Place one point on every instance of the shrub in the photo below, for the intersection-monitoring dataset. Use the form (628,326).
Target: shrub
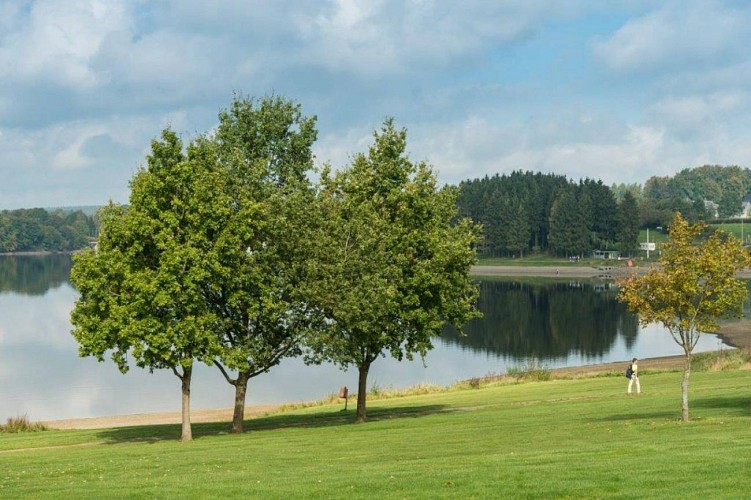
(488,379)
(22,424)
(531,370)
(724,359)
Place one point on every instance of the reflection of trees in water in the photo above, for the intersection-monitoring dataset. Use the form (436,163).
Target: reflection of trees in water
(33,274)
(549,320)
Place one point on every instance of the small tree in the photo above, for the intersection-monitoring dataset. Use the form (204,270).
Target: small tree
(391,268)
(693,287)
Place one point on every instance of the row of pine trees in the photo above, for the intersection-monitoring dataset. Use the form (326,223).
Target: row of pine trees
(526,211)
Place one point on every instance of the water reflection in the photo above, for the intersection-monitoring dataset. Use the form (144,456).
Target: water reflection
(547,320)
(33,274)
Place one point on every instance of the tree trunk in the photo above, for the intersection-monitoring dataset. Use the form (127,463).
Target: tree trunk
(362,392)
(684,387)
(187,434)
(241,388)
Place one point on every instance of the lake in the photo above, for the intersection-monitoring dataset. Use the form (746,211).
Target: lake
(560,323)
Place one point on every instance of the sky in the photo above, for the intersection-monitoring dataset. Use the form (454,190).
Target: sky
(612,90)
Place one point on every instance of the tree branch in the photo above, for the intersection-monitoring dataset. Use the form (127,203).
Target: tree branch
(224,372)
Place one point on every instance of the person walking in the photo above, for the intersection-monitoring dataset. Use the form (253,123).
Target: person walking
(634,376)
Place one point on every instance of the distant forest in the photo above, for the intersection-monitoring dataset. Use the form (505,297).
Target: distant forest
(526,211)
(520,212)
(37,229)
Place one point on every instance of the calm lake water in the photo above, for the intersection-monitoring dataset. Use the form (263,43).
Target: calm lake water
(561,323)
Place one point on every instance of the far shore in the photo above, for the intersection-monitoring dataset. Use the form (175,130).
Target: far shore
(605,270)
(39,253)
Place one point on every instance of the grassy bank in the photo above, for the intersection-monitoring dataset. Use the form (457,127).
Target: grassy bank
(544,260)
(571,438)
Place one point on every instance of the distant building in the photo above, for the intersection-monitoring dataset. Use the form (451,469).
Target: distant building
(746,207)
(606,254)
(712,208)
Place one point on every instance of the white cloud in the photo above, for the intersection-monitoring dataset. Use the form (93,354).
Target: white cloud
(86,84)
(56,40)
(678,35)
(700,117)
(475,147)
(80,162)
(384,37)
(338,148)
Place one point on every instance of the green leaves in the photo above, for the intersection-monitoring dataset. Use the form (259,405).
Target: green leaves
(227,255)
(142,290)
(391,267)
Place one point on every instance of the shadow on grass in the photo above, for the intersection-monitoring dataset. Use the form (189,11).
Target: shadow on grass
(737,405)
(725,406)
(323,418)
(638,415)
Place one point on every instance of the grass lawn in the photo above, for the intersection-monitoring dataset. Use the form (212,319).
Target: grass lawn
(537,259)
(581,438)
(739,230)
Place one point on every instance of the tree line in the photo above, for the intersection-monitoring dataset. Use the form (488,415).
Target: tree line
(228,254)
(525,211)
(38,229)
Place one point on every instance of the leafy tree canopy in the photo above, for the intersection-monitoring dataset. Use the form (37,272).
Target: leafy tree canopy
(693,287)
(392,266)
(143,290)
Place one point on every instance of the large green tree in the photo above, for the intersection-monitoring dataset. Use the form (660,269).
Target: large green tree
(238,204)
(142,292)
(693,287)
(391,266)
(258,289)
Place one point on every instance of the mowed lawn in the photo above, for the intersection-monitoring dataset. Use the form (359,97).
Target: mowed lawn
(561,438)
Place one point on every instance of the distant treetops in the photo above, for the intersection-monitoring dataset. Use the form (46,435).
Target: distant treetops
(525,211)
(37,229)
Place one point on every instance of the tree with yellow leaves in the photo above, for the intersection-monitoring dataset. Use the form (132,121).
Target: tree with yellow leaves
(693,287)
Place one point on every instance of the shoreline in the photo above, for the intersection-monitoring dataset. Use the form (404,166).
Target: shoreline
(737,334)
(605,271)
(39,253)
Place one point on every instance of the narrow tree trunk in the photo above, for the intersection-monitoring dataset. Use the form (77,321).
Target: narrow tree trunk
(362,392)
(187,434)
(684,387)
(241,388)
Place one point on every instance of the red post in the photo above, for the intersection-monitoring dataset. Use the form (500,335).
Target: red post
(343,393)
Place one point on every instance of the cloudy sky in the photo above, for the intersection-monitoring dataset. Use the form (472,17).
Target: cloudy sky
(615,90)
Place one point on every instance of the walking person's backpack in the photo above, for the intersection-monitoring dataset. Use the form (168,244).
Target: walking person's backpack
(629,371)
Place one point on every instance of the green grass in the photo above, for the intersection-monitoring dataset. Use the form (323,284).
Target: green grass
(580,438)
(537,259)
(740,231)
